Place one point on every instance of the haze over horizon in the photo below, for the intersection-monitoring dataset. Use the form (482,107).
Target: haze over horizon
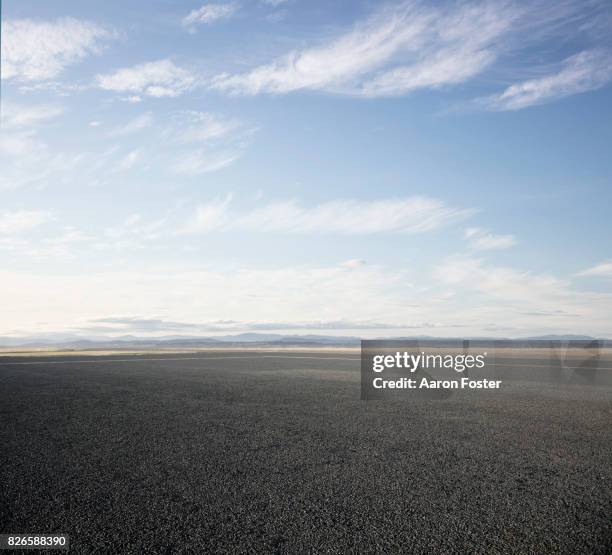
(281,166)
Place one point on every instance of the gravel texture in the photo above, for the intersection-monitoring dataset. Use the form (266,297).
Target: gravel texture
(260,454)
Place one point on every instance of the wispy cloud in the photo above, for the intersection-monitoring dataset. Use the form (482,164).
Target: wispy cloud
(425,46)
(135,227)
(134,324)
(38,50)
(586,71)
(134,125)
(51,247)
(209,13)
(22,220)
(16,116)
(481,239)
(274,3)
(26,160)
(600,270)
(207,142)
(156,79)
(201,161)
(456,46)
(204,126)
(129,160)
(132,234)
(189,143)
(353,217)
(132,99)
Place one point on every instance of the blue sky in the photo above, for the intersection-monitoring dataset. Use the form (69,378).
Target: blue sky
(363,168)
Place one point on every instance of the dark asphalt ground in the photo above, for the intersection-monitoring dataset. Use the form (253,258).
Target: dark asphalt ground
(245,453)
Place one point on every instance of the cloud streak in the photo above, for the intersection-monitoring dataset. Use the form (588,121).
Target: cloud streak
(12,223)
(600,270)
(132,324)
(589,70)
(398,50)
(204,127)
(419,45)
(209,13)
(207,142)
(197,162)
(17,116)
(409,215)
(134,125)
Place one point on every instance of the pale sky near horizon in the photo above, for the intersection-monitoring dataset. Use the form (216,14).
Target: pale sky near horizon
(305,166)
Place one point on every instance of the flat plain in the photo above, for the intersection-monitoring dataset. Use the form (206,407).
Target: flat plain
(237,451)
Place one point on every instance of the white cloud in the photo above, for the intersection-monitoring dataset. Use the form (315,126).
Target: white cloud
(39,50)
(481,239)
(22,220)
(205,126)
(209,13)
(398,50)
(274,3)
(129,160)
(463,45)
(425,45)
(136,124)
(157,79)
(151,324)
(259,297)
(201,161)
(448,66)
(530,304)
(586,71)
(193,143)
(68,236)
(603,270)
(501,284)
(17,144)
(464,294)
(51,247)
(211,216)
(221,141)
(26,160)
(132,233)
(404,215)
(20,115)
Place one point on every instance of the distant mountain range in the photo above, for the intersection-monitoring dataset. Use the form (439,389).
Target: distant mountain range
(69,341)
(173,341)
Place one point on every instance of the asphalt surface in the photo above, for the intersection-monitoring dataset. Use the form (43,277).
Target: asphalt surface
(239,452)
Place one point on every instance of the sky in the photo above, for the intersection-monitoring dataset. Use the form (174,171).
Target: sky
(173,167)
